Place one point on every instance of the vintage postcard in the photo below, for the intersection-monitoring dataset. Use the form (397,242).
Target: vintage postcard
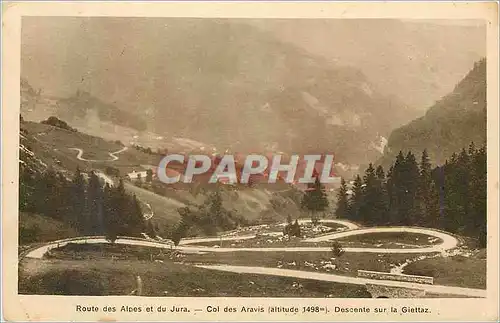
(250,161)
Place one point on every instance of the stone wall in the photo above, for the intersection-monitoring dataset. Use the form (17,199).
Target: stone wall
(380,291)
(396,277)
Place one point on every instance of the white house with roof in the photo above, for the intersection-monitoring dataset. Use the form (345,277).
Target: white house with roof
(136,175)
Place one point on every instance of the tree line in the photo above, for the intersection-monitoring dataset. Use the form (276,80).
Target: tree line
(85,204)
(451,197)
(56,122)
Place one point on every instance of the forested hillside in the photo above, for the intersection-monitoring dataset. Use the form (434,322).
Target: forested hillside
(82,202)
(451,197)
(449,125)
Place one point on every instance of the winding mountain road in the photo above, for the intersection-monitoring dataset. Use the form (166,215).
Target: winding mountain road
(448,242)
(111,154)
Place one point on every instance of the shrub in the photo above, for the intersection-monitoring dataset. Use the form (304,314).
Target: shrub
(292,229)
(111,237)
(54,121)
(337,249)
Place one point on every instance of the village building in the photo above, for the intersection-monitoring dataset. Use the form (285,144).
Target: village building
(136,175)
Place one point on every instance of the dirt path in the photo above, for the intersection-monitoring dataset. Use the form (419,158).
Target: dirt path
(437,289)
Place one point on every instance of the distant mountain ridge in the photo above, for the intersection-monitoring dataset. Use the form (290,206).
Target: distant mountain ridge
(418,61)
(217,81)
(451,124)
(81,105)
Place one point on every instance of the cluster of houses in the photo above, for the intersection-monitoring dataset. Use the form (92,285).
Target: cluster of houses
(141,173)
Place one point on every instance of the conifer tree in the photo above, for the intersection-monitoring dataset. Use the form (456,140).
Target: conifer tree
(411,175)
(374,207)
(79,201)
(396,190)
(456,192)
(367,211)
(111,222)
(296,229)
(433,206)
(216,217)
(49,206)
(315,199)
(464,172)
(357,199)
(138,182)
(425,192)
(64,197)
(95,205)
(383,199)
(391,196)
(342,201)
(478,189)
(380,174)
(135,219)
(185,223)
(149,176)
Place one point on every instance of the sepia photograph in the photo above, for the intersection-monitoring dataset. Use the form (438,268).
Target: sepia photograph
(253,158)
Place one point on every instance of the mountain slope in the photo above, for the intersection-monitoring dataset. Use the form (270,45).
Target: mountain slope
(83,105)
(43,147)
(217,81)
(78,108)
(451,124)
(426,57)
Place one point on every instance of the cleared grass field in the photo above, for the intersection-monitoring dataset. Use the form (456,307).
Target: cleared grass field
(263,241)
(63,139)
(249,203)
(36,228)
(164,208)
(390,240)
(107,277)
(347,264)
(456,270)
(450,271)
